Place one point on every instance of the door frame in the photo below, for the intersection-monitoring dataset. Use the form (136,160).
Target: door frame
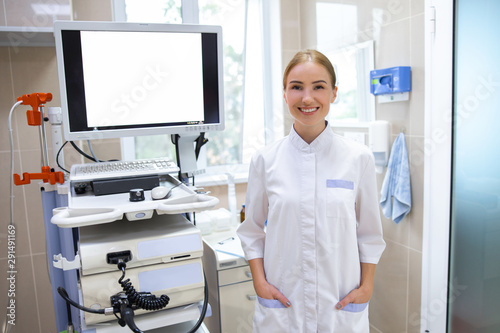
(439,17)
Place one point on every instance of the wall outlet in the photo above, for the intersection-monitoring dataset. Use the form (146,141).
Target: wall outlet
(356,136)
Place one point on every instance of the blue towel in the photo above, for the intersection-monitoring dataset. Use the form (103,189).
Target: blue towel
(396,183)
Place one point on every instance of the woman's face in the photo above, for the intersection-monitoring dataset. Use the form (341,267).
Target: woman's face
(308,94)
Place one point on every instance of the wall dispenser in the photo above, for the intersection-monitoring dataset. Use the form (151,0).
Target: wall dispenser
(391,84)
(379,134)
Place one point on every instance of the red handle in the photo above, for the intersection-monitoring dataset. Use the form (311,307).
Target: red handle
(36,100)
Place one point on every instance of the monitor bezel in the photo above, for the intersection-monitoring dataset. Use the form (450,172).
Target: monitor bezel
(156,129)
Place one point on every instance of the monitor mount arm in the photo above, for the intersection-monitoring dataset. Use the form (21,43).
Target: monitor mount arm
(187,151)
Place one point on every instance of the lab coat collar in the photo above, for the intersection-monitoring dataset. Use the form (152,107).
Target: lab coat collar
(324,140)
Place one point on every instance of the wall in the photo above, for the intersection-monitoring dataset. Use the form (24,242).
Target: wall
(399,41)
(25,70)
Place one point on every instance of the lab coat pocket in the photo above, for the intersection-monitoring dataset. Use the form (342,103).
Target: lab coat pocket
(340,198)
(270,317)
(352,307)
(270,303)
(353,318)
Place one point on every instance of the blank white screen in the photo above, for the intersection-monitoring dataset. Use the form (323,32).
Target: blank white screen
(127,85)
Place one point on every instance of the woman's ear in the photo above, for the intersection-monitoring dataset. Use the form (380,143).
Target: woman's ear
(334,95)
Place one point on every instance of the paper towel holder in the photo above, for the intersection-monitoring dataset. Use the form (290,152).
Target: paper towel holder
(379,135)
(391,84)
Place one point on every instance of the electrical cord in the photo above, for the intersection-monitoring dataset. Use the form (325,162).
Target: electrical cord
(92,151)
(82,152)
(64,294)
(92,158)
(57,157)
(128,317)
(11,141)
(8,327)
(70,327)
(203,309)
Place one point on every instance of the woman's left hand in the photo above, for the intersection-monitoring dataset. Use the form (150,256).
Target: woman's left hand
(364,292)
(357,296)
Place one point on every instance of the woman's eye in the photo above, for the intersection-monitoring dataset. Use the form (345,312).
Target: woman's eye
(295,87)
(319,87)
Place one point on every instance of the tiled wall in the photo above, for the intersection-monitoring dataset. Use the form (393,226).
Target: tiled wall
(398,36)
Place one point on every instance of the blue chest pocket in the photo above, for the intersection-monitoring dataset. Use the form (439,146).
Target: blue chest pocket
(340,198)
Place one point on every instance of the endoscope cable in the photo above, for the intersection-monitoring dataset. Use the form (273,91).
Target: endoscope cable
(8,327)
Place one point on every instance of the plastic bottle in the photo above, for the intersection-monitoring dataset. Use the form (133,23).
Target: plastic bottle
(242,213)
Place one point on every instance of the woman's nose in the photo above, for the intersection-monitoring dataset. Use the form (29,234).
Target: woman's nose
(307,98)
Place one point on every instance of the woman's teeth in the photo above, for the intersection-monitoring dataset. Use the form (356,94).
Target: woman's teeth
(308,110)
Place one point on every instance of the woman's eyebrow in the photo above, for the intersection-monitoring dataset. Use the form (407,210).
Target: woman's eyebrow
(300,82)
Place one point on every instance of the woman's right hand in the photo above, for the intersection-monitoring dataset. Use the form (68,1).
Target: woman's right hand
(268,291)
(263,288)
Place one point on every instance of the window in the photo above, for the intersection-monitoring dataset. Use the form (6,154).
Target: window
(225,146)
(249,111)
(337,37)
(153,11)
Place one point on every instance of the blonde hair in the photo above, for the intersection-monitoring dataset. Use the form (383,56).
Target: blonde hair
(310,56)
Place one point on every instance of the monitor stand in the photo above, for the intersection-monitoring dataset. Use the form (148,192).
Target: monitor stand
(187,150)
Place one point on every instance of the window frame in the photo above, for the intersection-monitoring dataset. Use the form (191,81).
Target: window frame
(363,54)
(273,109)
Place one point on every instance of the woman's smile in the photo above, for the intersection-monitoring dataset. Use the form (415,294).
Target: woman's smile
(308,109)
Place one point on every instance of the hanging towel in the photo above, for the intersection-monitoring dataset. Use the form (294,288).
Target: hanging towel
(396,191)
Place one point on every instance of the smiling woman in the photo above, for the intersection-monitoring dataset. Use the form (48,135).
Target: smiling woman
(312,233)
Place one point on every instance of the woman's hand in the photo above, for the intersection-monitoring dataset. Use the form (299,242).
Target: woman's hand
(263,288)
(356,296)
(268,291)
(365,290)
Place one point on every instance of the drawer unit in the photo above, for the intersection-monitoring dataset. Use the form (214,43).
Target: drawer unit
(237,303)
(234,275)
(231,293)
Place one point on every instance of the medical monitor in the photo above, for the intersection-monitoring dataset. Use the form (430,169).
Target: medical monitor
(131,79)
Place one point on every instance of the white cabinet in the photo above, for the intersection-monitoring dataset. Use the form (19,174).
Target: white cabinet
(231,293)
(237,300)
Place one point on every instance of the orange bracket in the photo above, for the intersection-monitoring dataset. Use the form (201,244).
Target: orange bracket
(46,175)
(35,100)
(34,116)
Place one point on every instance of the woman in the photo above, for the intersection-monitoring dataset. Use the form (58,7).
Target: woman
(312,233)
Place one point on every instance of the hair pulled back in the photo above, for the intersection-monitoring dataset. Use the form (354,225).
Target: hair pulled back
(310,56)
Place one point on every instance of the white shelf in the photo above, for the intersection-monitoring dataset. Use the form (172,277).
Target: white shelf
(27,36)
(87,209)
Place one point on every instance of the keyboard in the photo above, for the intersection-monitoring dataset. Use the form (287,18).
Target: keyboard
(122,169)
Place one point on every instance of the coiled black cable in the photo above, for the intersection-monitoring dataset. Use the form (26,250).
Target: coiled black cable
(151,302)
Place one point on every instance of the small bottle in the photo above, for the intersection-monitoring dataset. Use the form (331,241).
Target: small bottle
(242,213)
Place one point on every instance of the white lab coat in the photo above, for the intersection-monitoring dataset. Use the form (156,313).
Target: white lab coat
(321,206)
